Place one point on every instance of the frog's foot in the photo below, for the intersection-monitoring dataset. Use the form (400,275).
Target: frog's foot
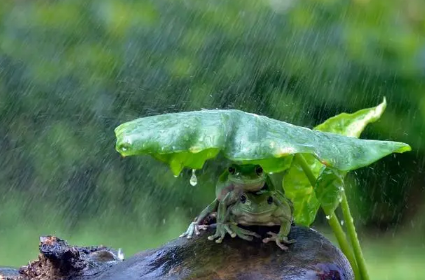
(243,233)
(193,228)
(279,239)
(220,232)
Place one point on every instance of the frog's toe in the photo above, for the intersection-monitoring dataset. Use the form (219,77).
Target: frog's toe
(251,233)
(229,231)
(279,239)
(199,227)
(245,237)
(219,240)
(212,237)
(248,232)
(271,238)
(218,234)
(187,234)
(281,246)
(286,241)
(190,230)
(245,234)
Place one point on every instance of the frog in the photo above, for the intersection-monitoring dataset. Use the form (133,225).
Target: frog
(232,183)
(264,208)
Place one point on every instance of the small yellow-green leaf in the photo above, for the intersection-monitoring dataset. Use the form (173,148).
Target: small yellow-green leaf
(329,188)
(299,190)
(352,125)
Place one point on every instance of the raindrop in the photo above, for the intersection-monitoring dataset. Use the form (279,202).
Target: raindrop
(120,254)
(328,217)
(193,180)
(342,222)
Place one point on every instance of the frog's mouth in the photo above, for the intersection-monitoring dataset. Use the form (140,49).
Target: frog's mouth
(256,184)
(257,212)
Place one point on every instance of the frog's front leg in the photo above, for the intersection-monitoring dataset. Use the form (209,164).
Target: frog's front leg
(220,233)
(243,233)
(281,238)
(240,232)
(222,227)
(194,227)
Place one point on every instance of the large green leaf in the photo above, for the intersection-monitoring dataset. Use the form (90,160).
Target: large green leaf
(327,191)
(188,139)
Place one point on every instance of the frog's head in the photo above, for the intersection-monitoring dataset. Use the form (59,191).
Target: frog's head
(251,177)
(256,204)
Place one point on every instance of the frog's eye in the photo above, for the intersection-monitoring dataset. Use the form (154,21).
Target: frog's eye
(232,170)
(243,198)
(270,200)
(259,170)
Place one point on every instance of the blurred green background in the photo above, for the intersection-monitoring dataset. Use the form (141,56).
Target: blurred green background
(72,70)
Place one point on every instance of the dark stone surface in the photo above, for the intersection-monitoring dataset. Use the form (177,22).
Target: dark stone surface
(311,257)
(59,260)
(8,273)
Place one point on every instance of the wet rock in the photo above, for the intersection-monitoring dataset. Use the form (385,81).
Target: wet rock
(8,273)
(58,260)
(311,257)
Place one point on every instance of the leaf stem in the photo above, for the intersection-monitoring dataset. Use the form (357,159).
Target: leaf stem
(343,243)
(306,168)
(352,234)
(333,220)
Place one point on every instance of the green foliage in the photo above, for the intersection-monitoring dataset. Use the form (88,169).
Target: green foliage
(352,125)
(329,188)
(327,191)
(188,139)
(329,185)
(302,194)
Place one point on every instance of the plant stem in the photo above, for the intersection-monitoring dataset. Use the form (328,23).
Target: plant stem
(333,220)
(343,243)
(352,234)
(306,168)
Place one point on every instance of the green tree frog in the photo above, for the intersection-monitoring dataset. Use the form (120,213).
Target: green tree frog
(232,183)
(264,208)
